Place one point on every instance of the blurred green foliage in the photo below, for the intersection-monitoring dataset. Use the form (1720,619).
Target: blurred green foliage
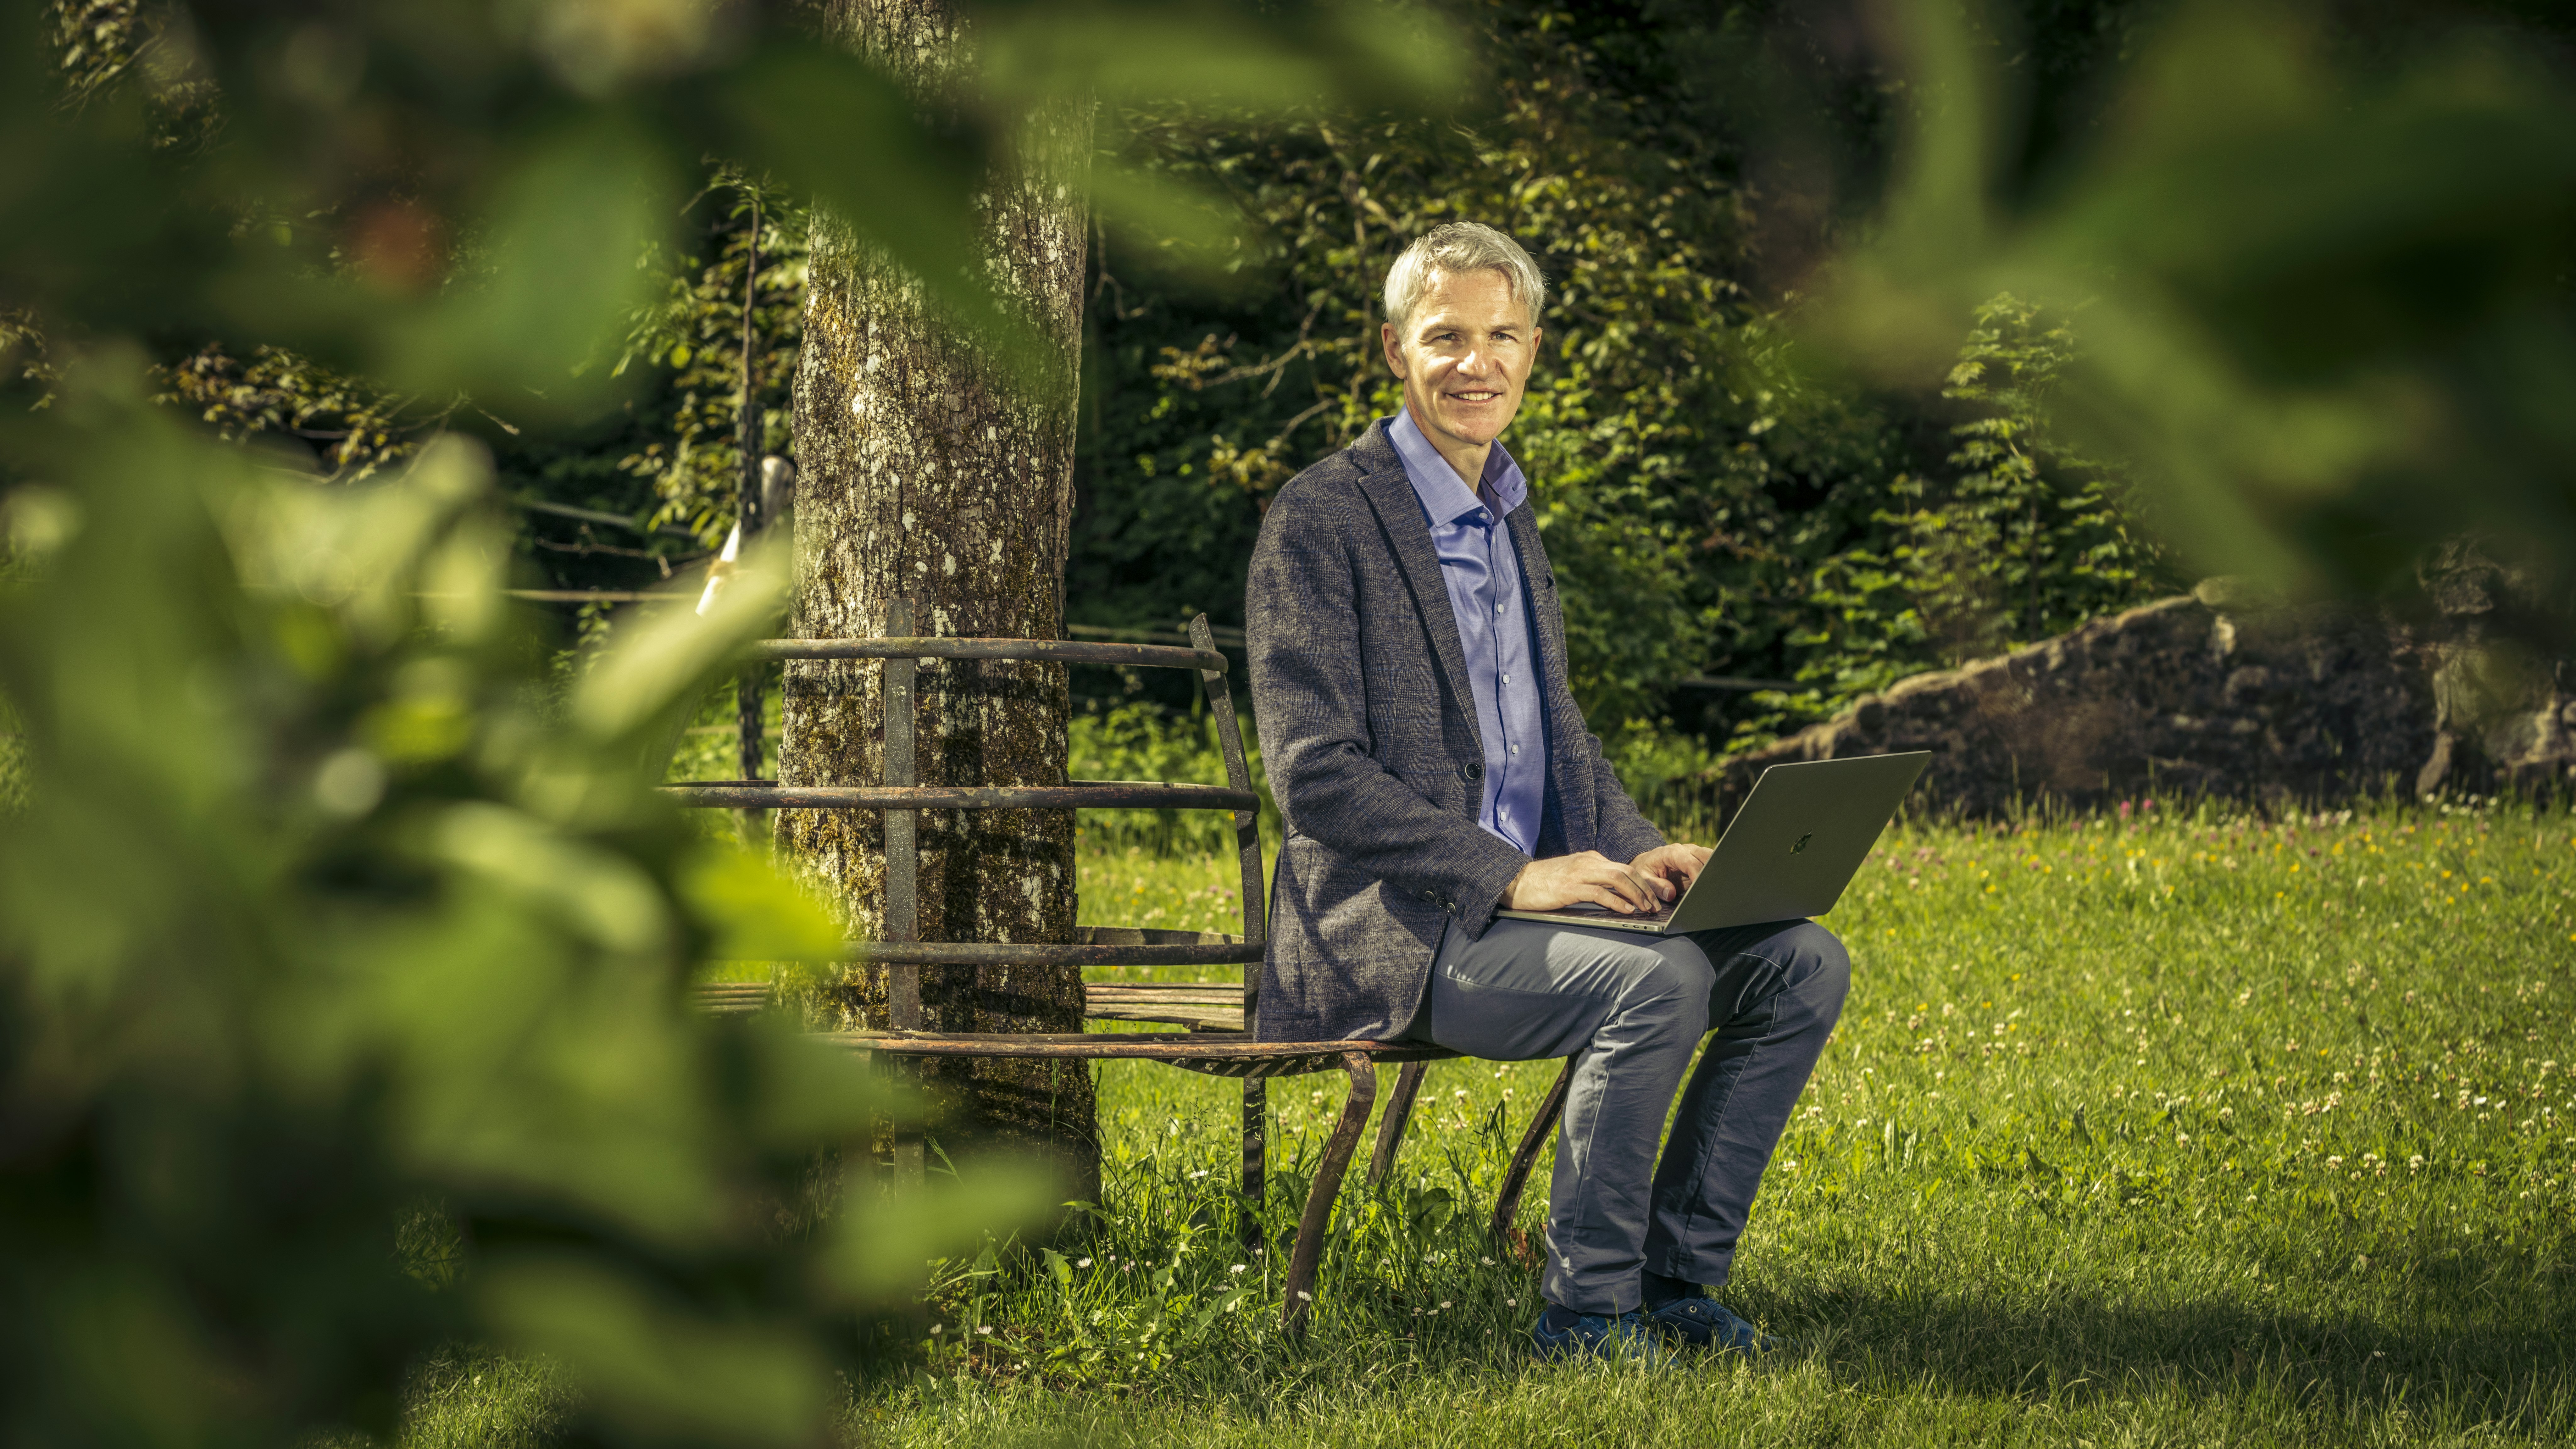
(343,938)
(2331,319)
(344,1006)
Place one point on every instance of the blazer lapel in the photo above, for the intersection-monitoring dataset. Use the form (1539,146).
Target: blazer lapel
(1399,515)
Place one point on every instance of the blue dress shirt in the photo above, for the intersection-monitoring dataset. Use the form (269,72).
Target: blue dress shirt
(1483,573)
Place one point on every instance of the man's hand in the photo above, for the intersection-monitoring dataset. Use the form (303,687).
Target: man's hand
(1673,867)
(1565,880)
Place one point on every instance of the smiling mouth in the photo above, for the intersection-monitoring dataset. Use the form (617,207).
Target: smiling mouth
(1475,396)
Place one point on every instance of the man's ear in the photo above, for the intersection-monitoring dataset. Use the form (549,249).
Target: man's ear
(1394,354)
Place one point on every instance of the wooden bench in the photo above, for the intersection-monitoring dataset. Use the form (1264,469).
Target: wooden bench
(1216,1017)
(1204,1006)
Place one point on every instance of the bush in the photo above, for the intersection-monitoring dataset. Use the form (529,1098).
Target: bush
(1145,742)
(342,970)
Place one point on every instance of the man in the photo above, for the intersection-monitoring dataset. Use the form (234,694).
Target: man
(1408,667)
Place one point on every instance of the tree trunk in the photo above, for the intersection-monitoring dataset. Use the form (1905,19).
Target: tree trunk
(927,476)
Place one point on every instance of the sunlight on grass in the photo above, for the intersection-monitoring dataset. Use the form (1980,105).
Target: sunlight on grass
(2142,1128)
(2136,1130)
(1128,885)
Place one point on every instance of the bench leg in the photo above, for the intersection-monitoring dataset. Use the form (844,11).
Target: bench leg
(1390,1123)
(1256,1157)
(1328,1185)
(1508,1204)
(909,1163)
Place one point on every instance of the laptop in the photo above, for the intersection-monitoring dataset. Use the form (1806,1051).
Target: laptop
(1793,845)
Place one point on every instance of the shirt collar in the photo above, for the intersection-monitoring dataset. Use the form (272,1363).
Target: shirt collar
(1445,497)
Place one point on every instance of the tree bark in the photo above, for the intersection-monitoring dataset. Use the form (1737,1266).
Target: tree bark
(924,474)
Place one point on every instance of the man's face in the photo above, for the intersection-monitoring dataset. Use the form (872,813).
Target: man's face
(1464,356)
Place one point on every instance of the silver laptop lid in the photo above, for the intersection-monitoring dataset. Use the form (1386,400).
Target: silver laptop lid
(1797,840)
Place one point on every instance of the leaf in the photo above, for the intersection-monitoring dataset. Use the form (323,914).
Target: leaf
(653,669)
(879,1253)
(652,1367)
(754,911)
(547,296)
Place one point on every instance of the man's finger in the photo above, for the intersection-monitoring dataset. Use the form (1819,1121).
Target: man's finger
(1603,896)
(1625,882)
(1629,887)
(1688,861)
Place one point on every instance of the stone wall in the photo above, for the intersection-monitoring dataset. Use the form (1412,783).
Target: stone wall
(2222,692)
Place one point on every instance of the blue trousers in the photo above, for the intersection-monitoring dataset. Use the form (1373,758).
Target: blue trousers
(1630,1008)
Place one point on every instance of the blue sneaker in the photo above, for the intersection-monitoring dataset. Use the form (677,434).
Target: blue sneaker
(1703,1321)
(1623,1338)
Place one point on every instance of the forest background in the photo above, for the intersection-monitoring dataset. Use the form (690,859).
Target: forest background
(1725,521)
(1750,541)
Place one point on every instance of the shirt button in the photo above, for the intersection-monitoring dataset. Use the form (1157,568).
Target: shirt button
(1498,608)
(1516,749)
(1507,679)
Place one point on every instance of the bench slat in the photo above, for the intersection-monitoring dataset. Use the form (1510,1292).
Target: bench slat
(1201,1006)
(1195,1020)
(1152,656)
(1080,795)
(1219,1054)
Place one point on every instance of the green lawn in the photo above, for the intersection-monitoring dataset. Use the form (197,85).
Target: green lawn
(2204,1131)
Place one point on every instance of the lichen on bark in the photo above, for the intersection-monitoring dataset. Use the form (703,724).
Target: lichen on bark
(929,472)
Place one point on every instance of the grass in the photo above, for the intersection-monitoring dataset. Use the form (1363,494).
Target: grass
(2135,1132)
(2138,1130)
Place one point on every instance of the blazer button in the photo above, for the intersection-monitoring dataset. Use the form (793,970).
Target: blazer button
(1475,770)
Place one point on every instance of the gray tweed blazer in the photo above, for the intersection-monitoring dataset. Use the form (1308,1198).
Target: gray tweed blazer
(1369,734)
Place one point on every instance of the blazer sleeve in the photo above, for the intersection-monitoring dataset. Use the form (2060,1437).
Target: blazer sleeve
(1620,831)
(1310,694)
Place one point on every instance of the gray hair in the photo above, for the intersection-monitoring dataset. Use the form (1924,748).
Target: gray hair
(1459,247)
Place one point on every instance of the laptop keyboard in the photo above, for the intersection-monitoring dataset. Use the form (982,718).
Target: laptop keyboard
(1646,918)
